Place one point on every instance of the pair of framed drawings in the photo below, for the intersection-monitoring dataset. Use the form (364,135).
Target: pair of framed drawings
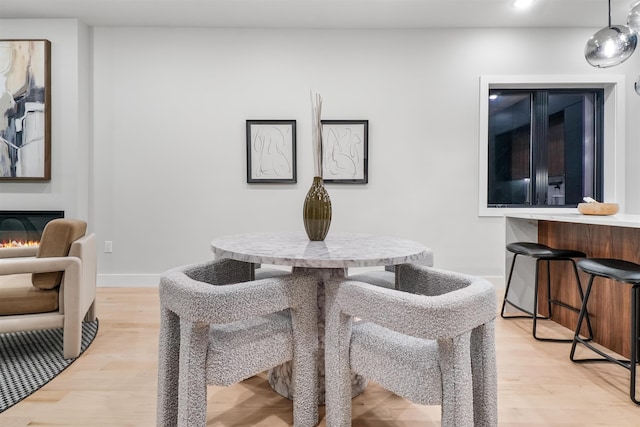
(271,151)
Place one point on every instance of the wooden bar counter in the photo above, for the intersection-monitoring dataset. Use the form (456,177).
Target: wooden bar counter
(616,236)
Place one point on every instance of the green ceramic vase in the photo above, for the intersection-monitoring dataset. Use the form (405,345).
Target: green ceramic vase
(317,211)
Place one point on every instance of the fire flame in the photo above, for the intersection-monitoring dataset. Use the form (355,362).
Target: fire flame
(19,244)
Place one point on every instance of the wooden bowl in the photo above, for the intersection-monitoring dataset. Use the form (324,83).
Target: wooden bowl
(598,208)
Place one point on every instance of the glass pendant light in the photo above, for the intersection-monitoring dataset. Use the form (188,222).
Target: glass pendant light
(633,20)
(611,45)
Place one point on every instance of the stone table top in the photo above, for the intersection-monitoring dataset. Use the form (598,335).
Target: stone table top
(338,250)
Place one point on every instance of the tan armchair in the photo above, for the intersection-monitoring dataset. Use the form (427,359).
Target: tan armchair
(51,286)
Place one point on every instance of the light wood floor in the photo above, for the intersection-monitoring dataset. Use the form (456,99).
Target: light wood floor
(113,383)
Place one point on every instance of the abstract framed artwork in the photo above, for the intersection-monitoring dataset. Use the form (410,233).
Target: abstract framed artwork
(271,151)
(25,110)
(345,151)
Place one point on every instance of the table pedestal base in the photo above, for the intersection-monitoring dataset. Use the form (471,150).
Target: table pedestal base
(280,377)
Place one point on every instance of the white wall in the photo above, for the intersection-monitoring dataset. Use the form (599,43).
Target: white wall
(68,189)
(168,155)
(170,109)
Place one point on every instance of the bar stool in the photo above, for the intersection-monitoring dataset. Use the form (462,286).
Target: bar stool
(541,253)
(622,272)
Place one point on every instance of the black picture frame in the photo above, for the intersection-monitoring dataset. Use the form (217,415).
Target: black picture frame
(345,151)
(271,151)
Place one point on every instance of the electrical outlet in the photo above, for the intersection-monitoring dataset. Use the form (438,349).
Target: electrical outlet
(108,246)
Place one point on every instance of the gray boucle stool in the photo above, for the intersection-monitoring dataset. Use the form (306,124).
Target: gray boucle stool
(219,327)
(431,342)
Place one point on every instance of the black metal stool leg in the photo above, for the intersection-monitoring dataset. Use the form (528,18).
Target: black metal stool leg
(535,299)
(577,339)
(506,299)
(583,310)
(575,270)
(506,290)
(549,290)
(635,341)
(551,301)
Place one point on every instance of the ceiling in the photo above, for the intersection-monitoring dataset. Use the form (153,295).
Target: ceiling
(338,14)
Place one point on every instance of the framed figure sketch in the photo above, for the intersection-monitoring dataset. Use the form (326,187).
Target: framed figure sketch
(25,110)
(271,151)
(345,151)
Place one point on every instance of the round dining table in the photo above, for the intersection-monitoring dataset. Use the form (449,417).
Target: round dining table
(325,259)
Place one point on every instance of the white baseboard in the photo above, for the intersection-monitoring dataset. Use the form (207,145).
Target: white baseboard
(498,281)
(128,280)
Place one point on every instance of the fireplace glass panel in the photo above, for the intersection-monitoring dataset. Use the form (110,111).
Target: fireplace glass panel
(24,228)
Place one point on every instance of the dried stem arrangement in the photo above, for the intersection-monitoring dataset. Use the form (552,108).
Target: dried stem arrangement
(316,133)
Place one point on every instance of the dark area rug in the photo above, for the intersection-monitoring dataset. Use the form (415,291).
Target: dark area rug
(29,360)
